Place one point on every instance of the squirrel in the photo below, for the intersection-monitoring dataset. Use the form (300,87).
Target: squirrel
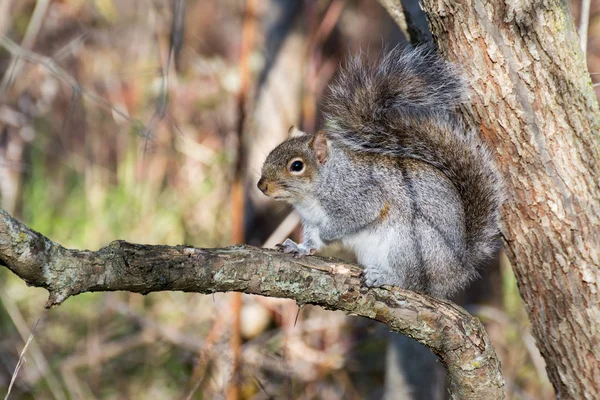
(396,176)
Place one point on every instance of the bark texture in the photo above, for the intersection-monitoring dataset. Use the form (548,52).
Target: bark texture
(457,338)
(532,98)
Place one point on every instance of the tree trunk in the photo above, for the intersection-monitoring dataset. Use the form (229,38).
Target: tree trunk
(532,98)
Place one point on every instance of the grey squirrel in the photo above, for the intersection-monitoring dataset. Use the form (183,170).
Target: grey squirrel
(395,176)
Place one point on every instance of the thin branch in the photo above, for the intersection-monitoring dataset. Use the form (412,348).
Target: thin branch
(35,350)
(41,6)
(410,19)
(5,16)
(238,194)
(283,231)
(22,53)
(584,25)
(457,338)
(144,130)
(396,11)
(22,356)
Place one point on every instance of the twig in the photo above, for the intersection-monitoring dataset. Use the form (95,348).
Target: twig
(169,334)
(330,19)
(320,35)
(22,355)
(35,350)
(238,196)
(109,350)
(5,15)
(177,29)
(199,372)
(162,102)
(410,19)
(497,315)
(71,47)
(584,25)
(282,231)
(56,70)
(41,6)
(396,11)
(61,74)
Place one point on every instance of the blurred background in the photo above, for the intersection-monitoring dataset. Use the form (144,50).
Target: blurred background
(148,121)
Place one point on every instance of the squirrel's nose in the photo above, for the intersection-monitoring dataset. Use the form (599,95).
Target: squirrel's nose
(262,185)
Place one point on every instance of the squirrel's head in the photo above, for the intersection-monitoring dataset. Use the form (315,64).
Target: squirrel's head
(291,168)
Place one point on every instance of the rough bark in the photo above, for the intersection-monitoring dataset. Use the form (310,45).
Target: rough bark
(457,338)
(532,98)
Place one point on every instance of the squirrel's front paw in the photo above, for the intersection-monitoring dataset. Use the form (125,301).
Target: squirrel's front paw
(298,250)
(374,277)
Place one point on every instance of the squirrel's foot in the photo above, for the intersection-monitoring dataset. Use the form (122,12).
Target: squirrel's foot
(297,250)
(375,277)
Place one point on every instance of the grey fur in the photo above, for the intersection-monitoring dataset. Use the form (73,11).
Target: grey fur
(404,184)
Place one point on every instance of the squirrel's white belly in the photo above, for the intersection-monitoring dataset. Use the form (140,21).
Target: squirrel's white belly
(372,247)
(312,212)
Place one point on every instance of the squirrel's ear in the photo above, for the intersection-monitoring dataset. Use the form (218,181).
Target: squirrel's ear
(295,132)
(320,146)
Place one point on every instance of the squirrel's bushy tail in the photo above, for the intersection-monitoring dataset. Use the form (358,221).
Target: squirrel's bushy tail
(404,106)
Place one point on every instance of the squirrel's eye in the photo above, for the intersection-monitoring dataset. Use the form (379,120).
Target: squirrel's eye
(296,166)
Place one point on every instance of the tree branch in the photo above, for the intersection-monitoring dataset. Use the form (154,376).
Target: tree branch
(458,339)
